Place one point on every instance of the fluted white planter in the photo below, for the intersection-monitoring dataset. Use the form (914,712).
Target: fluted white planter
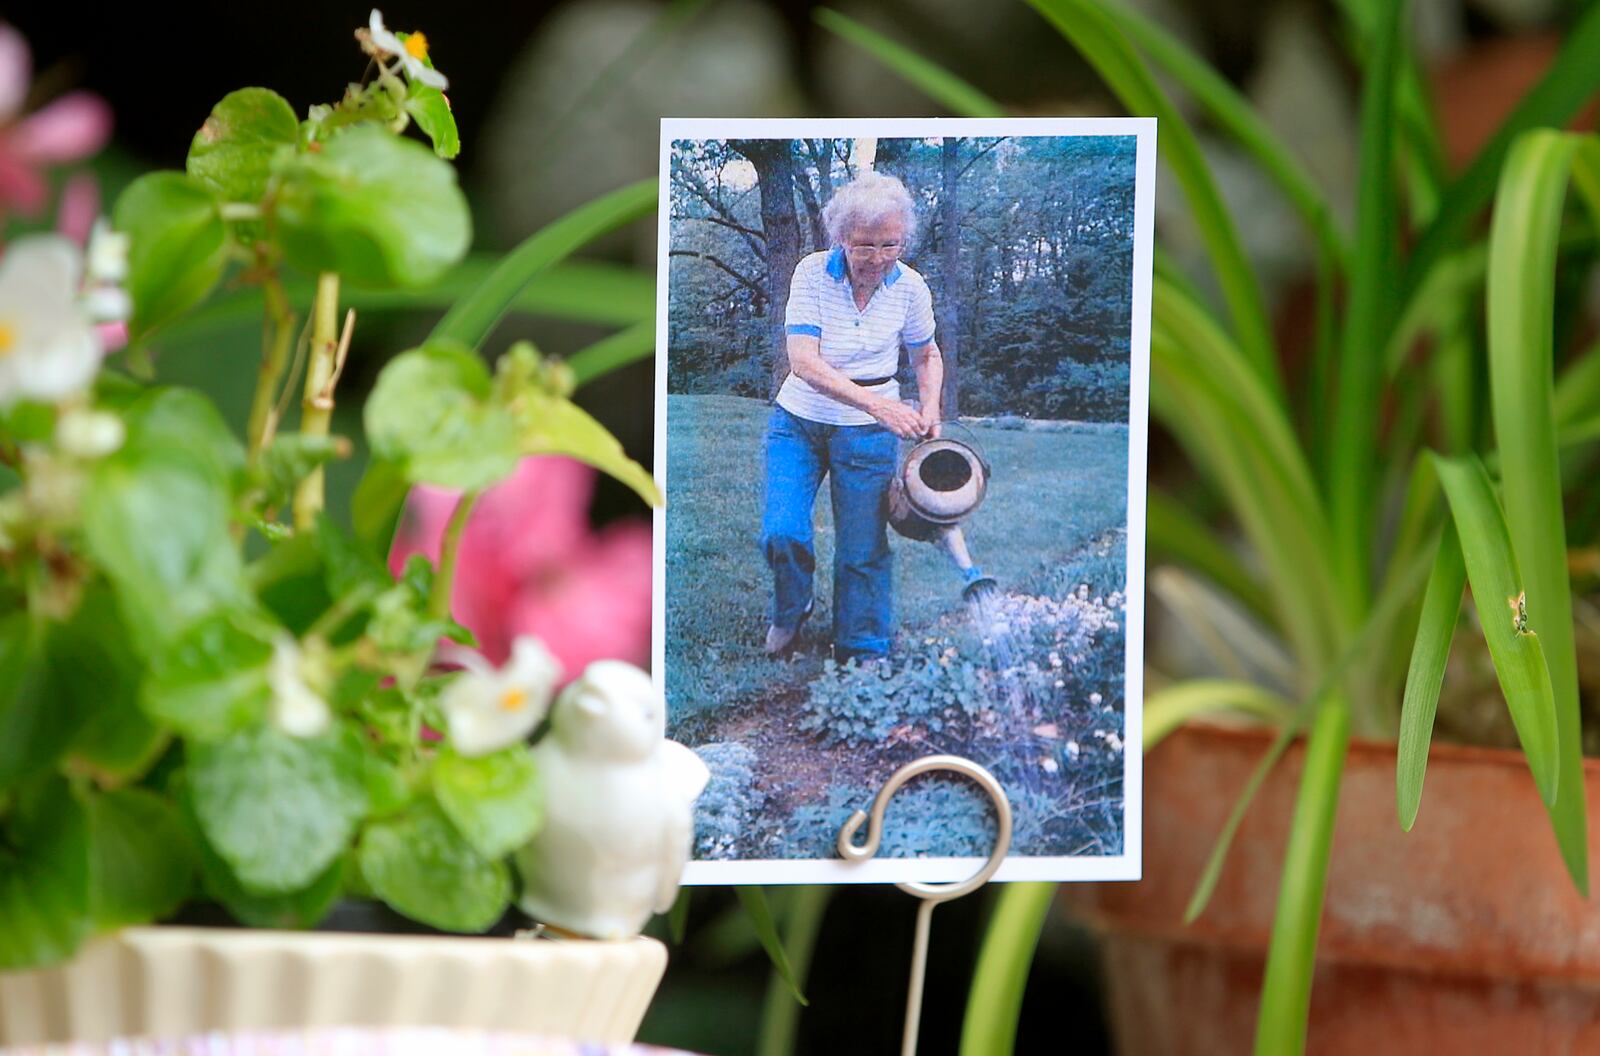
(172,981)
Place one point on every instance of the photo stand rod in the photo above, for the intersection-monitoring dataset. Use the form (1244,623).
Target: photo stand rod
(930,894)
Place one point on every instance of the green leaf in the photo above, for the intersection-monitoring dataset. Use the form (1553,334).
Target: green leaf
(1103,45)
(553,425)
(378,209)
(1568,84)
(422,867)
(31,732)
(157,513)
(1371,308)
(44,877)
(1237,117)
(1206,885)
(495,801)
(291,457)
(678,916)
(304,908)
(346,567)
(232,153)
(142,859)
(1174,533)
(952,92)
(1170,707)
(95,674)
(431,111)
(177,246)
(754,901)
(994,1004)
(375,508)
(1440,607)
(278,809)
(473,316)
(610,353)
(1523,245)
(1498,592)
(213,680)
(1291,953)
(432,416)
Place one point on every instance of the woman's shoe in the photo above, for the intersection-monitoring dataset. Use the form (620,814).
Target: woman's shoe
(780,642)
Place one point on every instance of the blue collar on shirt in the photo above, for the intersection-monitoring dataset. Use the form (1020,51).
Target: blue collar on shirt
(838,272)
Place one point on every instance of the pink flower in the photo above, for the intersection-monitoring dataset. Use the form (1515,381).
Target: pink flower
(68,129)
(530,565)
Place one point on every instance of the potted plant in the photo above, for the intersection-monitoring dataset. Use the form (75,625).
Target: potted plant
(213,691)
(1369,490)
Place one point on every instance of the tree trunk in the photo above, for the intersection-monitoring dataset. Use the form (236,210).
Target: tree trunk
(947,309)
(775,175)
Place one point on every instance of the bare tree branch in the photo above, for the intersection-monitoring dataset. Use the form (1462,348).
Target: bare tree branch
(716,261)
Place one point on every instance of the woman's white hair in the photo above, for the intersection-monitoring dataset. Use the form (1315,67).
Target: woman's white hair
(868,199)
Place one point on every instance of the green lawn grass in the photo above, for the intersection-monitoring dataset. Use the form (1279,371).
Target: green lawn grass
(1051,494)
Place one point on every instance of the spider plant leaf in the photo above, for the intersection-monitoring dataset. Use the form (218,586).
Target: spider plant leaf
(1106,48)
(1441,604)
(1170,707)
(1173,533)
(626,346)
(939,84)
(995,1001)
(754,900)
(1566,87)
(1207,884)
(1235,116)
(1360,375)
(1499,591)
(472,317)
(1523,244)
(1291,954)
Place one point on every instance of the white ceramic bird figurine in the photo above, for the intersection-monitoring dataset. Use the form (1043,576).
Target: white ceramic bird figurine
(619,800)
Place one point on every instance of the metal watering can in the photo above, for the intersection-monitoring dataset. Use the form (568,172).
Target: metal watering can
(938,484)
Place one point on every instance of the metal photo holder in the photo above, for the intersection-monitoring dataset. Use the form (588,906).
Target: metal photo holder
(930,894)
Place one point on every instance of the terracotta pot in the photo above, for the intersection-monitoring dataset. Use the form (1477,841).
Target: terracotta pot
(180,981)
(1465,935)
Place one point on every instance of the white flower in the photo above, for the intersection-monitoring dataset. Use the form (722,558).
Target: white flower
(48,347)
(87,434)
(108,254)
(488,710)
(1095,699)
(297,709)
(412,52)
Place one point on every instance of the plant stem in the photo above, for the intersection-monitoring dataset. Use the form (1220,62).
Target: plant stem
(316,407)
(279,334)
(439,601)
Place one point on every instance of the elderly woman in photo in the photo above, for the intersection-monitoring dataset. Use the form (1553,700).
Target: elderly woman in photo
(839,414)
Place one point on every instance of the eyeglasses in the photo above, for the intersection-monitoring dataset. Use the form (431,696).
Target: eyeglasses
(868,251)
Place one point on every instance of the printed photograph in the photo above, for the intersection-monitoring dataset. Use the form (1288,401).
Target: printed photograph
(901,399)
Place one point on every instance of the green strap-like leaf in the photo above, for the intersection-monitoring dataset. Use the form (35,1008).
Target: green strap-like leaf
(1234,115)
(754,900)
(1174,533)
(1103,45)
(472,317)
(780,1012)
(995,1001)
(1291,955)
(1566,87)
(1206,885)
(1351,466)
(1168,708)
(614,352)
(1521,287)
(956,95)
(1498,590)
(1441,604)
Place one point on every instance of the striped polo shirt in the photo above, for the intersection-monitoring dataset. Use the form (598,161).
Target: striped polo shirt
(858,343)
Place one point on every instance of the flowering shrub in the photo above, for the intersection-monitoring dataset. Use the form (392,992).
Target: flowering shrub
(208,686)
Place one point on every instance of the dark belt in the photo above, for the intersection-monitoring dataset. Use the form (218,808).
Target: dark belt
(873,381)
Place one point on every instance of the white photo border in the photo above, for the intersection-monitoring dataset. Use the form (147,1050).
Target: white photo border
(1129,864)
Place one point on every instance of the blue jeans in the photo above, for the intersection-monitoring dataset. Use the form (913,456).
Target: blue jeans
(859,461)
